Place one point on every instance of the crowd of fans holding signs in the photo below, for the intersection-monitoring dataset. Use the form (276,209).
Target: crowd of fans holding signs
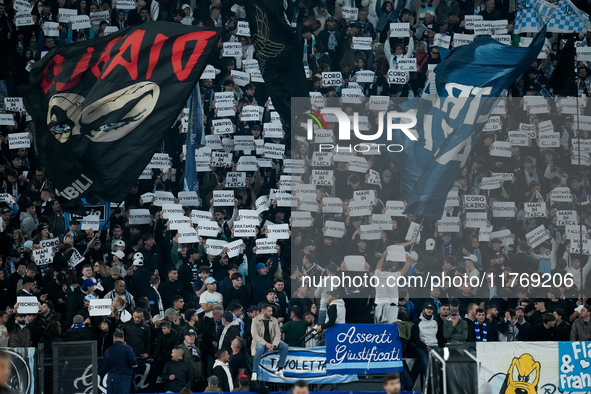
(203,287)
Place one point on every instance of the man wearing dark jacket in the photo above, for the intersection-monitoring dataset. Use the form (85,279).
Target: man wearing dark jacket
(261,277)
(231,331)
(138,334)
(177,372)
(167,340)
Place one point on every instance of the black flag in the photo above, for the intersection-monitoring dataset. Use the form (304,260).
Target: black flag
(102,107)
(563,78)
(280,59)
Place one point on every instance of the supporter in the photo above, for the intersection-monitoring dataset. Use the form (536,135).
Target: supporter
(221,369)
(424,336)
(192,355)
(137,334)
(238,363)
(545,331)
(455,330)
(243,384)
(266,337)
(581,328)
(230,332)
(177,372)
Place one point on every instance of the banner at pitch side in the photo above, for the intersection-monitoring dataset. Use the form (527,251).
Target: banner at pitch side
(302,363)
(103,106)
(518,367)
(574,372)
(363,348)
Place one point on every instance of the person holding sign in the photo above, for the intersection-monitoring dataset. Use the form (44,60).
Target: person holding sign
(387,291)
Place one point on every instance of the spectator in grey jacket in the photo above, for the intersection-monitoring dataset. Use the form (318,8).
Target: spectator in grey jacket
(581,330)
(455,329)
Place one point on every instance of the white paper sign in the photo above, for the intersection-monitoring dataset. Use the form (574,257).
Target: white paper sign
(504,209)
(19,140)
(223,198)
(100,307)
(80,22)
(232,49)
(334,229)
(537,236)
(90,222)
(399,29)
(139,216)
(27,305)
(331,78)
(413,231)
(501,149)
(188,235)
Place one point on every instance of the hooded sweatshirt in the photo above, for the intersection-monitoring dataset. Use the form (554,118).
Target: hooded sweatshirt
(425,331)
(187,20)
(335,313)
(218,368)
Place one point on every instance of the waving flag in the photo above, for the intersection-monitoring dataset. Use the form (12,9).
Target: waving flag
(469,83)
(102,107)
(279,58)
(561,16)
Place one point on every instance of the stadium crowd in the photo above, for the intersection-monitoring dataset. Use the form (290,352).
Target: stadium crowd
(206,320)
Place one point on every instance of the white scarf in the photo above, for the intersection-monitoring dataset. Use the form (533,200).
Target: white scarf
(226,368)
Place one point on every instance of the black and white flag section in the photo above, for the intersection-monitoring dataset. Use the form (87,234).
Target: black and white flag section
(102,107)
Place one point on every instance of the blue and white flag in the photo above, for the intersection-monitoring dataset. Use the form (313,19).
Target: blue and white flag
(561,17)
(195,138)
(469,83)
(363,348)
(308,364)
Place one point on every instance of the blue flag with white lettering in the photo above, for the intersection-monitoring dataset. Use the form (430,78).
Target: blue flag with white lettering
(469,83)
(195,137)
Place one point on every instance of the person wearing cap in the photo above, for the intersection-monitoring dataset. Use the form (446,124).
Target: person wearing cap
(455,329)
(75,298)
(261,277)
(79,331)
(266,337)
(432,256)
(243,384)
(386,299)
(140,279)
(336,311)
(211,297)
(424,335)
(470,262)
(231,331)
(321,291)
(192,354)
